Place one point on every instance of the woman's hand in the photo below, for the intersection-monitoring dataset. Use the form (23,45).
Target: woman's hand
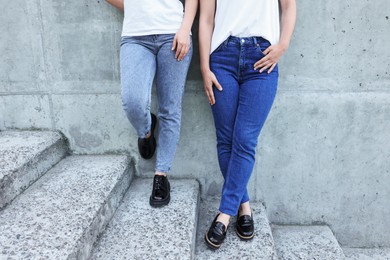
(181,43)
(272,55)
(209,80)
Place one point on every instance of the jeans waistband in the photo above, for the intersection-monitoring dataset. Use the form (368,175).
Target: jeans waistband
(245,40)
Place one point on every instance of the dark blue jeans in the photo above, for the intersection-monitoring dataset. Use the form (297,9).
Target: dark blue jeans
(239,113)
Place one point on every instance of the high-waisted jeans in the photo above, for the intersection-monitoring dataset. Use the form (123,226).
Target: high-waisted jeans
(143,58)
(239,113)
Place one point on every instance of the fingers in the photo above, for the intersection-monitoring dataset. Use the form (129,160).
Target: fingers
(272,68)
(181,43)
(183,52)
(211,98)
(261,62)
(266,66)
(174,43)
(182,49)
(267,62)
(209,88)
(217,85)
(210,94)
(268,50)
(178,50)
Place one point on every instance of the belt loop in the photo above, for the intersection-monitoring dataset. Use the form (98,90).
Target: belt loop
(255,40)
(225,43)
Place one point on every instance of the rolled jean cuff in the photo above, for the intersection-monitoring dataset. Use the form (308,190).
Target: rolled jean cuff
(245,198)
(143,136)
(228,212)
(162,169)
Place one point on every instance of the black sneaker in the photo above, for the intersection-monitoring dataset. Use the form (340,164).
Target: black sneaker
(216,234)
(147,146)
(161,191)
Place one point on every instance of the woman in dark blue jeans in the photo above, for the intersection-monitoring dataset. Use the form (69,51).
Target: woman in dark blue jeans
(240,45)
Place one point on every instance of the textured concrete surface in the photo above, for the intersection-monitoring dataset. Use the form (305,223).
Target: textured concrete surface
(139,231)
(59,70)
(306,242)
(61,215)
(88,129)
(325,158)
(25,112)
(260,247)
(24,157)
(22,62)
(367,254)
(338,47)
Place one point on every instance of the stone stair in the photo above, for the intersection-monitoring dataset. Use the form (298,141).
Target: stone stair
(91,207)
(61,215)
(139,231)
(24,157)
(367,253)
(306,242)
(261,247)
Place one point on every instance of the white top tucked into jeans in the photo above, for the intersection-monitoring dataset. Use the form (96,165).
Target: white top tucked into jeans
(246,18)
(148,17)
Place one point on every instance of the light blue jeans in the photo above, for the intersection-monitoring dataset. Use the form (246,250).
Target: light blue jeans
(143,59)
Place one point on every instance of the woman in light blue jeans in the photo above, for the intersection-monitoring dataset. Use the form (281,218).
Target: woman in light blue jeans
(156,45)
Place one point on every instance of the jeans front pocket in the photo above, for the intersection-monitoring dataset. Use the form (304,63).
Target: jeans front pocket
(262,45)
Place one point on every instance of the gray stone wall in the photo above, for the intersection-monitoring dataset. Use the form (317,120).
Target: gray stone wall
(323,155)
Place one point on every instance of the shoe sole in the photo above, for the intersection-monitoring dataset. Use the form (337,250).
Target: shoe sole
(159,203)
(211,244)
(244,237)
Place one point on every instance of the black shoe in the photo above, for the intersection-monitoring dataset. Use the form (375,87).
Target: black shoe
(161,191)
(147,146)
(216,234)
(245,228)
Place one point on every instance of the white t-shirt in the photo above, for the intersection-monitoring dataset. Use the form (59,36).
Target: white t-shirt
(246,18)
(148,17)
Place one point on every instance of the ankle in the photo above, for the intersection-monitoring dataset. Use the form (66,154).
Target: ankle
(160,173)
(224,219)
(245,209)
(148,135)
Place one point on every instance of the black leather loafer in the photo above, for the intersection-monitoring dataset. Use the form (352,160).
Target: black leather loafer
(245,228)
(161,191)
(147,146)
(216,234)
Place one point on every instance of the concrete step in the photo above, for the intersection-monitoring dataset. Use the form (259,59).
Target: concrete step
(367,253)
(261,247)
(138,231)
(24,157)
(61,215)
(306,242)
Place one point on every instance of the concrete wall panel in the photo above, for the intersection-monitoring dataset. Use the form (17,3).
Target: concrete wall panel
(93,123)
(25,111)
(80,45)
(21,63)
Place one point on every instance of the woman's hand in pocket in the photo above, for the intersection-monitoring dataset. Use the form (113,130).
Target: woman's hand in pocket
(272,56)
(209,80)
